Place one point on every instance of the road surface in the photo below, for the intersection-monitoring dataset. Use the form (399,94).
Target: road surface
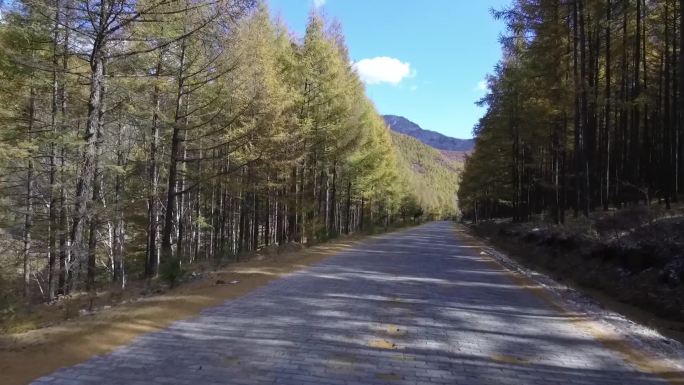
(413,307)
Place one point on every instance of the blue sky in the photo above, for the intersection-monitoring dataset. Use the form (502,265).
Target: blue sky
(424,60)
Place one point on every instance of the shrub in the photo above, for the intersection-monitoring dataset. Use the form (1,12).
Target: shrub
(171,271)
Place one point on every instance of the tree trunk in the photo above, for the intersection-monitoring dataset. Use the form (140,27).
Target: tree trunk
(680,102)
(332,230)
(96,183)
(28,215)
(292,207)
(86,176)
(52,191)
(347,223)
(173,162)
(151,267)
(64,254)
(577,116)
(119,274)
(608,106)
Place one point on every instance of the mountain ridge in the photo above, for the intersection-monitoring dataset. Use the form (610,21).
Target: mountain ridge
(433,139)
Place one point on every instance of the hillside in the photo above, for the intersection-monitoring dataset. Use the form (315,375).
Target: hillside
(427,172)
(455,156)
(431,138)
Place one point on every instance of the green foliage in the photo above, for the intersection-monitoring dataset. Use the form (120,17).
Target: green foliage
(218,133)
(171,271)
(431,180)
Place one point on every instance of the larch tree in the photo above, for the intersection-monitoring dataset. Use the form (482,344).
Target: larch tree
(140,137)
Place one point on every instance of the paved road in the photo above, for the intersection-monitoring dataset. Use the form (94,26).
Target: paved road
(415,307)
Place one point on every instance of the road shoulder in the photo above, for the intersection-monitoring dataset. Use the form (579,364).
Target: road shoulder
(642,347)
(30,355)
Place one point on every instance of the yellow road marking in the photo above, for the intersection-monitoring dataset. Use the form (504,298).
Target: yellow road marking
(382,344)
(394,330)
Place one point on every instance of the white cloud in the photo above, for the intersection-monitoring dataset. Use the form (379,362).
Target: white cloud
(318,3)
(482,86)
(383,69)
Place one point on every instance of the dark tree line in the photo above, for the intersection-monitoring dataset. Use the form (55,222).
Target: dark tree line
(585,110)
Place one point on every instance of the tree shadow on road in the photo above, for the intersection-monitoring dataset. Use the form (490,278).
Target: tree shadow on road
(428,310)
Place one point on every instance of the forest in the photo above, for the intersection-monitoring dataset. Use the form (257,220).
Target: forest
(584,113)
(138,137)
(432,177)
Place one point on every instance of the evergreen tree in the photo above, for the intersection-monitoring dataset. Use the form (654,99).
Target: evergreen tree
(142,136)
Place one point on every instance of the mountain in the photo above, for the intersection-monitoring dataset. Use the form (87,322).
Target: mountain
(432,176)
(431,138)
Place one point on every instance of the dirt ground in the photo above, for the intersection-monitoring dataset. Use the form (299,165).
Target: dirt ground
(29,355)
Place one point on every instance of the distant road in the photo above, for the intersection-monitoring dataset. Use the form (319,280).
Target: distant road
(419,306)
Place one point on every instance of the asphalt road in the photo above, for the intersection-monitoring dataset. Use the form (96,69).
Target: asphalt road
(419,306)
